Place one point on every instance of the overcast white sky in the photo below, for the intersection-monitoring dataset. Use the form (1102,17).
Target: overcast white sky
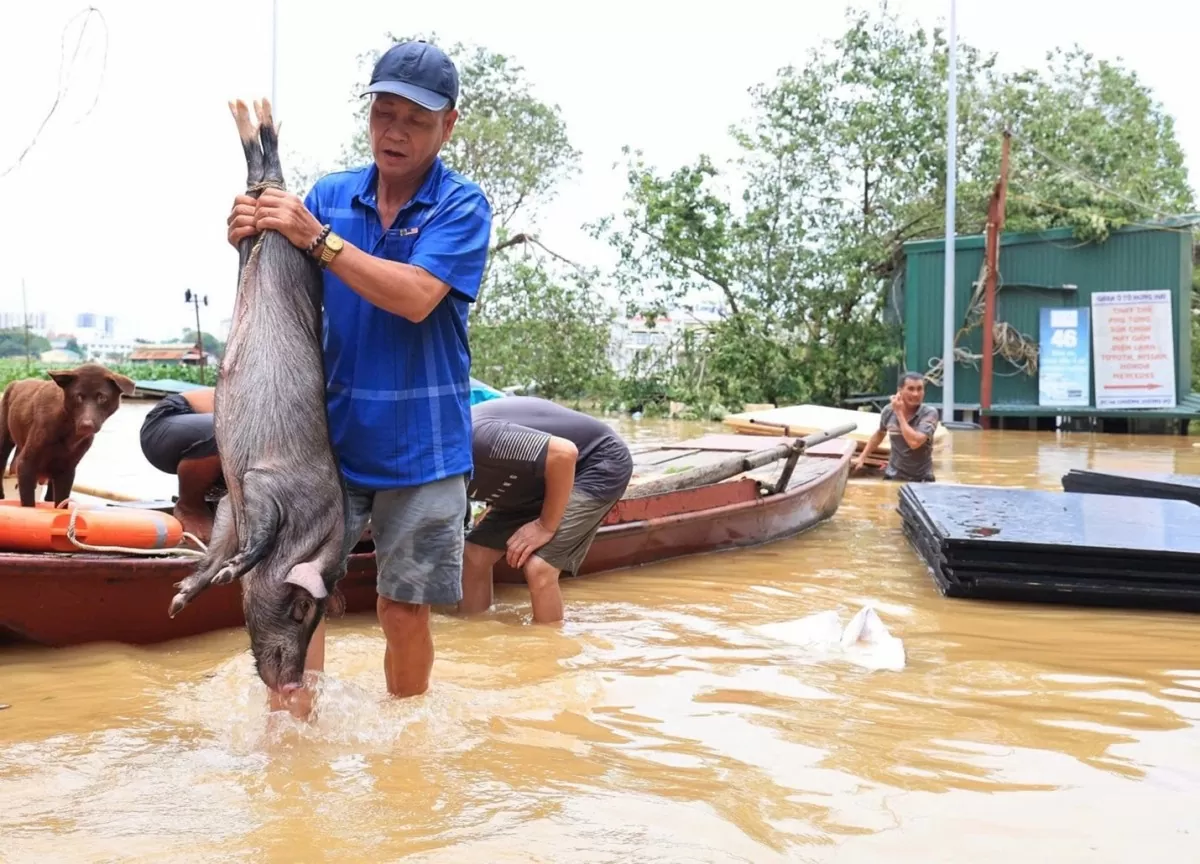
(120,212)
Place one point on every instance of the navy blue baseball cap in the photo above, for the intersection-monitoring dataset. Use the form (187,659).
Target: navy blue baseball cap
(417,71)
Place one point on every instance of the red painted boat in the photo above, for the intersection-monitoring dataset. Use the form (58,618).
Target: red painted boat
(59,599)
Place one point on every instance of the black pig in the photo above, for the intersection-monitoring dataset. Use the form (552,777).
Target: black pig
(280,527)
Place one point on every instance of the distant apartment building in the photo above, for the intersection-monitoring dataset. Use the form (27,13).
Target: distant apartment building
(38,322)
(99,324)
(105,350)
(658,343)
(98,339)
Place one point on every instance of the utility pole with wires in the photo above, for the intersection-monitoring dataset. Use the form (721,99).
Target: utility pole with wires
(948,318)
(194,299)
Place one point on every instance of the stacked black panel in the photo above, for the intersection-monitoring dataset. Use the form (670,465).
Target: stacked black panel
(1000,543)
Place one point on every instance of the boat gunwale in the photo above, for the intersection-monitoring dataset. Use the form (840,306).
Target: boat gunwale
(772,500)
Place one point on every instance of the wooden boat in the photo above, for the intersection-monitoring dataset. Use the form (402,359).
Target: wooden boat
(59,599)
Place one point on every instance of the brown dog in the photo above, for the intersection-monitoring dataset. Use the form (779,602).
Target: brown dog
(52,424)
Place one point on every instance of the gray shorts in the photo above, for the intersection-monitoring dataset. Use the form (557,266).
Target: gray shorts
(570,544)
(418,533)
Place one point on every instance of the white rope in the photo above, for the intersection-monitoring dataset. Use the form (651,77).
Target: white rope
(179,550)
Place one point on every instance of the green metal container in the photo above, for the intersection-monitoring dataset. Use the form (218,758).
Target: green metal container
(1047,268)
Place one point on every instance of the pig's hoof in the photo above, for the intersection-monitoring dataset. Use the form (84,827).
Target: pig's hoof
(224,576)
(177,605)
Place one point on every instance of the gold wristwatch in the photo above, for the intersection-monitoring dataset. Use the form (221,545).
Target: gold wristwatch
(330,247)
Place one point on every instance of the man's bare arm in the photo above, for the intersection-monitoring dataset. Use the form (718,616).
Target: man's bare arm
(561,455)
(401,289)
(914,438)
(871,444)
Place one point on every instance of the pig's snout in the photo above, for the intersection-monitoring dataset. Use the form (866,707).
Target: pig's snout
(277,678)
(280,667)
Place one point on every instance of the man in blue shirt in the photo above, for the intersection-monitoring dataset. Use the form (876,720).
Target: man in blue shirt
(403,243)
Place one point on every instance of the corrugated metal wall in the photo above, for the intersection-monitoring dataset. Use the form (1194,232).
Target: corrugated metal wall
(1130,260)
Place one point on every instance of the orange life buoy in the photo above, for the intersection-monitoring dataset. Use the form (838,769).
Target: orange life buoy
(43,528)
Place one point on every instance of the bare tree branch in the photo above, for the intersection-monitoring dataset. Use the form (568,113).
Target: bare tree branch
(523,238)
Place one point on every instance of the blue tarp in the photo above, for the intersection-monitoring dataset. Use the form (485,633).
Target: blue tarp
(481,392)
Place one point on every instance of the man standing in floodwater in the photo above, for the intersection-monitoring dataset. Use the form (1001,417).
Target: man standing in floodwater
(403,243)
(909,424)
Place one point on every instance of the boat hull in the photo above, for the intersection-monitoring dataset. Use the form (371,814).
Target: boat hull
(722,524)
(61,600)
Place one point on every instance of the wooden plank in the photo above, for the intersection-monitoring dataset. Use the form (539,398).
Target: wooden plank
(660,457)
(677,463)
(731,443)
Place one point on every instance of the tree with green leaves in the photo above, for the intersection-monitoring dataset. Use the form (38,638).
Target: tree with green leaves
(842,162)
(13,343)
(545,327)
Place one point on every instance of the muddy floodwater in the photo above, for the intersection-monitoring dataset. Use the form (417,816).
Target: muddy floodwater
(660,723)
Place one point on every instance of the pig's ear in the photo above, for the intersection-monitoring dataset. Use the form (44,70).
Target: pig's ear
(125,385)
(63,377)
(308,577)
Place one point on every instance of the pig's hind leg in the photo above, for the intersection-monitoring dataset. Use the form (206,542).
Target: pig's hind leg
(222,545)
(263,493)
(248,134)
(250,143)
(268,135)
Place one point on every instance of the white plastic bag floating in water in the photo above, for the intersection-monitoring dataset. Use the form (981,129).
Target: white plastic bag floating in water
(865,641)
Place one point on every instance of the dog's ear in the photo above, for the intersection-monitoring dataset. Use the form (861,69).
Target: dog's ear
(125,385)
(64,378)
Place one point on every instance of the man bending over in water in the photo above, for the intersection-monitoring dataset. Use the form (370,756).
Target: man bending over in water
(909,424)
(177,438)
(549,475)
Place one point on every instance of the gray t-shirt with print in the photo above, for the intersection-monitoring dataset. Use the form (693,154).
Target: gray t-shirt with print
(905,463)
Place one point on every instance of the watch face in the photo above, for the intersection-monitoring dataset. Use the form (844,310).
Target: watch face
(334,242)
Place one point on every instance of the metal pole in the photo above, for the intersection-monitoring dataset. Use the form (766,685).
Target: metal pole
(274,56)
(948,319)
(25,322)
(199,337)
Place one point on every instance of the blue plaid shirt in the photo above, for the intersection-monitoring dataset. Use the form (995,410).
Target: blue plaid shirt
(399,393)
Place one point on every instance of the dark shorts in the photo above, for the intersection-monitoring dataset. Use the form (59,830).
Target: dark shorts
(570,543)
(418,536)
(889,474)
(172,432)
